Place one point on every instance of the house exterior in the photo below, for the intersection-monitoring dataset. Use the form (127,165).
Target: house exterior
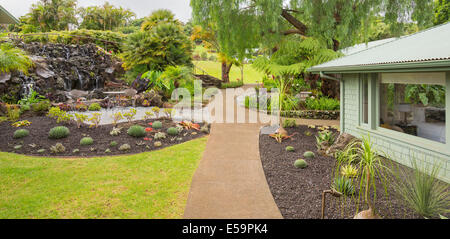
(6,17)
(398,92)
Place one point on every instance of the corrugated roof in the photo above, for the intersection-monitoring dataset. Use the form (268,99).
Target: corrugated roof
(6,17)
(430,45)
(363,46)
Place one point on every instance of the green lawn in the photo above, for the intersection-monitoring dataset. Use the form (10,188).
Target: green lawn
(147,185)
(215,69)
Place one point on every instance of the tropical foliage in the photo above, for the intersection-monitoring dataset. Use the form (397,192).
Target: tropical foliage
(47,15)
(13,59)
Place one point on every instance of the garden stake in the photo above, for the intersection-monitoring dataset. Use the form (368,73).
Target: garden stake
(324,193)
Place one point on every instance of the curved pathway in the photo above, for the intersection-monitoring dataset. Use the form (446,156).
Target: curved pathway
(229,181)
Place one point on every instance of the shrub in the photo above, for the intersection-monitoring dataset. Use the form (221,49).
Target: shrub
(21,133)
(13,59)
(86,141)
(80,118)
(113,144)
(136,131)
(232,84)
(13,113)
(289,123)
(309,155)
(157,125)
(116,118)
(172,131)
(95,107)
(57,148)
(130,115)
(124,147)
(95,120)
(422,191)
(41,108)
(324,139)
(159,135)
(343,185)
(290,149)
(61,116)
(322,103)
(300,163)
(59,132)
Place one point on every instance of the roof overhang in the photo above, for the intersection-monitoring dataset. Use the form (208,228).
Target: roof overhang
(6,17)
(441,65)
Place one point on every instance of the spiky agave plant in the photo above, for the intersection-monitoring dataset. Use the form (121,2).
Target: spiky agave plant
(13,59)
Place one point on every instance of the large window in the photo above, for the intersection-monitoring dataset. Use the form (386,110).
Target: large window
(414,104)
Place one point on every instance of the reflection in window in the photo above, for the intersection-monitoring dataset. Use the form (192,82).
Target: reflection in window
(415,107)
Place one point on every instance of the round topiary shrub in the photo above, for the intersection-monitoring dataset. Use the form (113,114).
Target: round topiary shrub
(95,107)
(86,141)
(157,125)
(172,131)
(290,149)
(136,131)
(309,155)
(300,163)
(59,132)
(21,133)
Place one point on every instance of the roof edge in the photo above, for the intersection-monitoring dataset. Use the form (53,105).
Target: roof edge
(9,14)
(410,66)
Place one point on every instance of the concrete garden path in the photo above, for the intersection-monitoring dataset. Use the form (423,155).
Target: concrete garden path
(229,181)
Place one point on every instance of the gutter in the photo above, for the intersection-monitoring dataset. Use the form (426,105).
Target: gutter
(322,75)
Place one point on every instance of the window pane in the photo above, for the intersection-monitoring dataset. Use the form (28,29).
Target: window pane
(365,100)
(414,109)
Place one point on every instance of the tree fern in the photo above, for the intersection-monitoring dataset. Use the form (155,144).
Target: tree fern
(13,59)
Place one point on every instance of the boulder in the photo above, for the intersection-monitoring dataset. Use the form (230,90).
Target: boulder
(4,77)
(341,142)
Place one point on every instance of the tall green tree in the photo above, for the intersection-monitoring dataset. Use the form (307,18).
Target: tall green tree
(105,17)
(441,11)
(243,25)
(47,15)
(160,43)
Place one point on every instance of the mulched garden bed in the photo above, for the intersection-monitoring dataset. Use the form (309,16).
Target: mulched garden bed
(298,192)
(40,127)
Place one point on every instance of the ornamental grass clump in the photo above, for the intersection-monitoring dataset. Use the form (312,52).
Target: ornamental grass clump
(421,191)
(86,141)
(21,133)
(59,132)
(136,131)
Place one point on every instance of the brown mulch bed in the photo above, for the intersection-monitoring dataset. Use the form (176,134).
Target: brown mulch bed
(40,127)
(298,192)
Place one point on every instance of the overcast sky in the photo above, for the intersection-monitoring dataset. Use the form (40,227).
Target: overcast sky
(142,8)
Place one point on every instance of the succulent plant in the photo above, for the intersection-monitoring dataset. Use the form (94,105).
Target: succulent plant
(57,148)
(159,135)
(21,133)
(136,131)
(86,141)
(95,107)
(172,131)
(124,147)
(75,151)
(300,163)
(157,125)
(41,151)
(59,132)
(115,131)
(204,129)
(349,171)
(309,155)
(17,147)
(113,144)
(344,185)
(290,149)
(157,144)
(108,151)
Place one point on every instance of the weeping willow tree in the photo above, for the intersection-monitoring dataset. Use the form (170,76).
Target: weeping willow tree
(243,25)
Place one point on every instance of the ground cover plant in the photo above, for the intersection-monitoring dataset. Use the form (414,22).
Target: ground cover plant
(147,185)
